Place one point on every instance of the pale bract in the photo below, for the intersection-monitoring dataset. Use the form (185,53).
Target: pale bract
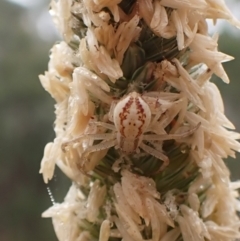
(143,137)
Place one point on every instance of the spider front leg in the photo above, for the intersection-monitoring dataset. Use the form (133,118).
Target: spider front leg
(108,137)
(157,105)
(86,163)
(163,111)
(164,137)
(93,137)
(101,146)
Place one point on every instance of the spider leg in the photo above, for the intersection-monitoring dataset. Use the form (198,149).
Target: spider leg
(112,107)
(156,104)
(154,137)
(101,146)
(105,136)
(106,125)
(158,155)
(155,153)
(88,163)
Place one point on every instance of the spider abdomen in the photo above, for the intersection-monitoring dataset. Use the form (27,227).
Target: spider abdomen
(131,117)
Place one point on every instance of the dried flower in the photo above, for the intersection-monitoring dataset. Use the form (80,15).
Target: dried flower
(140,129)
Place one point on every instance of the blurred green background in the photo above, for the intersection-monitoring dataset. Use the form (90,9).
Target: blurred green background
(27,115)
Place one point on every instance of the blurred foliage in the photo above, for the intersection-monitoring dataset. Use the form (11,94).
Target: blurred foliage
(27,116)
(229,44)
(25,127)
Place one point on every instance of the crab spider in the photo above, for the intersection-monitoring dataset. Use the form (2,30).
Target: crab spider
(131,117)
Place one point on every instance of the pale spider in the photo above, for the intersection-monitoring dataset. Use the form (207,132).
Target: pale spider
(132,119)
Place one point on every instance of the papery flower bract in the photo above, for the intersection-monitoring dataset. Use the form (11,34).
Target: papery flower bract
(162,51)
